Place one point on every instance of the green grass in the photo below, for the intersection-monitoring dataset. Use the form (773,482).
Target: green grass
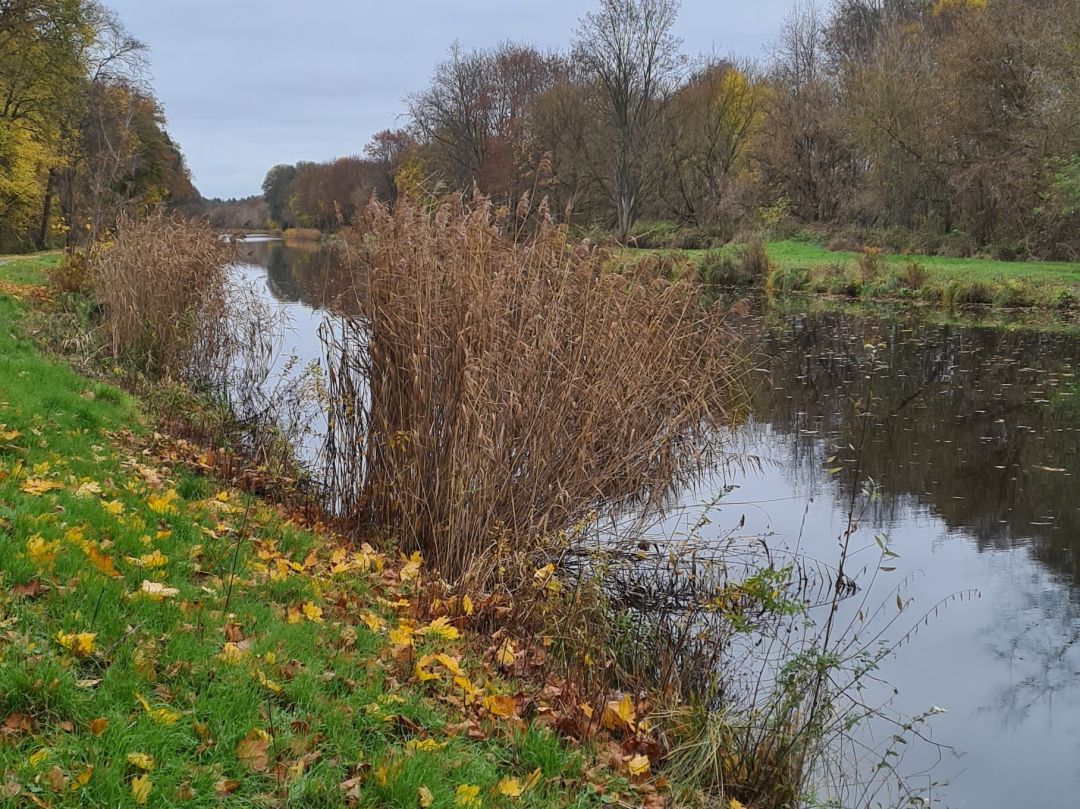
(91,511)
(805,266)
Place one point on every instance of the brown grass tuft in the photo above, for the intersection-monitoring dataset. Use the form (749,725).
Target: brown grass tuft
(162,286)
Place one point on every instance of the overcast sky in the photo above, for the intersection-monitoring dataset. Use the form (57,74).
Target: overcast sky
(250,83)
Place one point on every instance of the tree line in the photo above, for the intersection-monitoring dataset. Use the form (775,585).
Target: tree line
(957,121)
(82,137)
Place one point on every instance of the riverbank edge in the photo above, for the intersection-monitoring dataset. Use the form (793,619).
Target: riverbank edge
(201,642)
(874,275)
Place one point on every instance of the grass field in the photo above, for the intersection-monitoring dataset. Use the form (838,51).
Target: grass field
(802,266)
(168,641)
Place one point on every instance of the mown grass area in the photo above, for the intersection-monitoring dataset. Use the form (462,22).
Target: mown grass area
(805,266)
(168,641)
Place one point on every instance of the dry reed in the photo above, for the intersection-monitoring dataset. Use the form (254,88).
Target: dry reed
(493,392)
(162,285)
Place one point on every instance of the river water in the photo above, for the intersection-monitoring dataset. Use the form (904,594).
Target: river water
(974,450)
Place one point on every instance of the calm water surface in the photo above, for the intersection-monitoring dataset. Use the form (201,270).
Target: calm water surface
(975,448)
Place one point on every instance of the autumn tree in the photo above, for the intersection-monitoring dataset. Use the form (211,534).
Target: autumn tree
(633,60)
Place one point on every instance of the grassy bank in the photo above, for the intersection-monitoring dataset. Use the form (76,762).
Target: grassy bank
(168,641)
(802,266)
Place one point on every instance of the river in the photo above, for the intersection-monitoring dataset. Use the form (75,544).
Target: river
(974,449)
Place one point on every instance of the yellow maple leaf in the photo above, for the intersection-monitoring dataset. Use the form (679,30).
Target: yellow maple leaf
(87,488)
(38,486)
(424,745)
(268,684)
(313,612)
(411,569)
(505,654)
(638,765)
(39,756)
(40,552)
(736,804)
(619,714)
(402,634)
(140,789)
(150,560)
(162,716)
(373,621)
(82,779)
(500,705)
(466,605)
(424,797)
(80,644)
(114,507)
(163,503)
(231,653)
(143,761)
(440,629)
(509,787)
(470,691)
(467,796)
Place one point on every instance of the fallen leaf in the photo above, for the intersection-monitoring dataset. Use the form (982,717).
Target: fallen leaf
(38,486)
(141,760)
(500,705)
(157,591)
(252,751)
(509,787)
(424,797)
(97,726)
(638,765)
(31,589)
(226,786)
(467,796)
(80,644)
(140,789)
(619,715)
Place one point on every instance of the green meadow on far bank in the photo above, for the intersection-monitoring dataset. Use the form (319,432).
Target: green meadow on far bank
(807,266)
(167,640)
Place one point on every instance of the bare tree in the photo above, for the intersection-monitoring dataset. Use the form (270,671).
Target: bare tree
(633,57)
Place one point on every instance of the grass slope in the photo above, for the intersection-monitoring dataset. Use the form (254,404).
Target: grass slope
(167,642)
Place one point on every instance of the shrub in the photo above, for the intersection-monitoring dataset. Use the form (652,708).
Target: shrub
(1013,294)
(1063,299)
(755,263)
(71,274)
(871,264)
(702,238)
(787,279)
(162,287)
(494,393)
(913,275)
(646,234)
(970,293)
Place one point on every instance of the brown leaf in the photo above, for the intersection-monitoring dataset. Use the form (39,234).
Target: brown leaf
(252,751)
(226,786)
(17,723)
(31,589)
(55,779)
(234,633)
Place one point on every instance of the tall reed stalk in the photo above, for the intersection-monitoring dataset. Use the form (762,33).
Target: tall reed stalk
(493,392)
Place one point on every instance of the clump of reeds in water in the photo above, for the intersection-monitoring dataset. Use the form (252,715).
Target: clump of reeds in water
(495,391)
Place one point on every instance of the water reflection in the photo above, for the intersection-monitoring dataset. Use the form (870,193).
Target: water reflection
(975,445)
(978,426)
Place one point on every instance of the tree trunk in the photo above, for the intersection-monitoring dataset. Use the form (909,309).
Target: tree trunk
(46,211)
